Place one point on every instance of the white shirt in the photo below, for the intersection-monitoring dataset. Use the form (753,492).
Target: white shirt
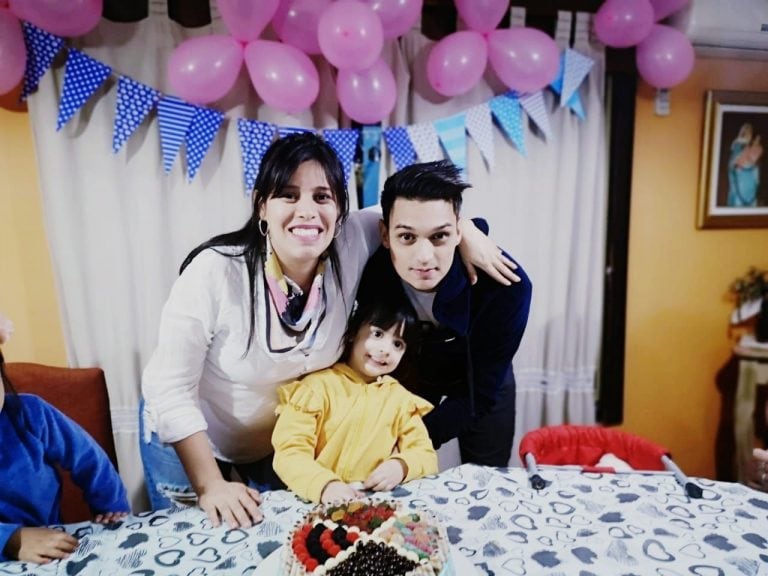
(198,379)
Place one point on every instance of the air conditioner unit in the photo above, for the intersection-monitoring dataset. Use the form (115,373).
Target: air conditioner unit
(726,28)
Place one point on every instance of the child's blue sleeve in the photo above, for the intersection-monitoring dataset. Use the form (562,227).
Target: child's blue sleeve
(91,469)
(6,531)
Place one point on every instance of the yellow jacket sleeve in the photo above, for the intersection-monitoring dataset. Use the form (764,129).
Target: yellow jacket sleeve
(300,412)
(413,440)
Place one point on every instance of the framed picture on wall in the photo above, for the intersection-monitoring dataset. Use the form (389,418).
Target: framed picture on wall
(733,188)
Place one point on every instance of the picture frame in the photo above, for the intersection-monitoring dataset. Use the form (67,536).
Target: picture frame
(733,184)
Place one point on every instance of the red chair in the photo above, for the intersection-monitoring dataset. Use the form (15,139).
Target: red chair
(584,446)
(81,394)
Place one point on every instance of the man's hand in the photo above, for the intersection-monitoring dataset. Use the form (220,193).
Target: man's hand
(386,475)
(478,250)
(231,502)
(338,491)
(40,545)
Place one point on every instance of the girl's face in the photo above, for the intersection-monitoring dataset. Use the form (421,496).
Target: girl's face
(376,351)
(302,220)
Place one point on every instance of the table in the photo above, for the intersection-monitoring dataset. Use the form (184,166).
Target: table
(580,524)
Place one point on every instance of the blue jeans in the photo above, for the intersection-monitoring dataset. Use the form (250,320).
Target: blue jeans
(167,482)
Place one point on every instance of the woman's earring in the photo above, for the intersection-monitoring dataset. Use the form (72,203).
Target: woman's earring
(263,229)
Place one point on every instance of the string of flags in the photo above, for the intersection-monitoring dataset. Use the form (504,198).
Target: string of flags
(195,127)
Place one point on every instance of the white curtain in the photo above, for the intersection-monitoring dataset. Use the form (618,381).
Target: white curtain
(119,227)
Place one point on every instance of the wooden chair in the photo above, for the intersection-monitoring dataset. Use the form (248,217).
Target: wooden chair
(81,394)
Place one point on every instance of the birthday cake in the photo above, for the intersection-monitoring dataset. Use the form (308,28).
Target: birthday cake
(367,537)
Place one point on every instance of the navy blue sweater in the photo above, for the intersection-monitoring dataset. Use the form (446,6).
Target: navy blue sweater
(482,328)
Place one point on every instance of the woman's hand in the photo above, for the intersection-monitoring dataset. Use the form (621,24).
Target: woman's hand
(40,545)
(109,517)
(386,475)
(478,250)
(231,502)
(338,491)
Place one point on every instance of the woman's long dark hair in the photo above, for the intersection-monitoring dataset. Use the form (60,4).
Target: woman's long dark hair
(280,162)
(12,406)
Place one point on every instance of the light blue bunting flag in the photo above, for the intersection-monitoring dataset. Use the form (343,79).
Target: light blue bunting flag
(480,128)
(400,146)
(174,117)
(452,132)
(205,124)
(134,102)
(534,106)
(42,48)
(507,111)
(425,141)
(577,67)
(255,138)
(82,77)
(557,86)
(371,148)
(344,142)
(287,130)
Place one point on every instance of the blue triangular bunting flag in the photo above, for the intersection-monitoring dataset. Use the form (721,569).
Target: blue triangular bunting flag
(174,117)
(574,103)
(42,48)
(506,109)
(400,146)
(344,142)
(255,138)
(82,77)
(134,102)
(202,131)
(284,131)
(577,67)
(534,106)
(453,136)
(480,128)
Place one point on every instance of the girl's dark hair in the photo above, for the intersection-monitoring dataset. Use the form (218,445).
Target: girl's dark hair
(280,162)
(12,406)
(384,315)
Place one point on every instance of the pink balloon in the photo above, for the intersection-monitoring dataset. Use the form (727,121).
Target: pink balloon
(525,59)
(397,16)
(246,19)
(367,96)
(481,15)
(350,34)
(203,69)
(283,76)
(296,21)
(68,18)
(623,23)
(663,8)
(13,53)
(665,58)
(457,62)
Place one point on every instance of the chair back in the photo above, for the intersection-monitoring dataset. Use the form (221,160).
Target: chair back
(585,445)
(81,394)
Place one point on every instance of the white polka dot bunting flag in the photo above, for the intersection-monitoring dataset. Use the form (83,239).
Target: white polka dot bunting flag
(82,77)
(480,128)
(134,102)
(205,124)
(400,146)
(174,117)
(534,106)
(255,138)
(425,142)
(577,67)
(42,48)
(506,109)
(344,142)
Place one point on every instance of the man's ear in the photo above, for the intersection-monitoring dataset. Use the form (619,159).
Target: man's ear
(384,232)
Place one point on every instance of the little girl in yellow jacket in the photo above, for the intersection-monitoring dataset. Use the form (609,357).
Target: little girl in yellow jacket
(352,422)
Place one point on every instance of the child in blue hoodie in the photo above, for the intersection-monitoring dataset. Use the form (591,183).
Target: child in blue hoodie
(35,438)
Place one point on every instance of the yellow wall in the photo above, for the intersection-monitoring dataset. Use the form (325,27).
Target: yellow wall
(677,310)
(27,293)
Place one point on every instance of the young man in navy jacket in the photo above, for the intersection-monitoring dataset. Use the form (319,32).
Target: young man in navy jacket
(470,332)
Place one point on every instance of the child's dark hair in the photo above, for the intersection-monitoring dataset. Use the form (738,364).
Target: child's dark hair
(384,315)
(12,406)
